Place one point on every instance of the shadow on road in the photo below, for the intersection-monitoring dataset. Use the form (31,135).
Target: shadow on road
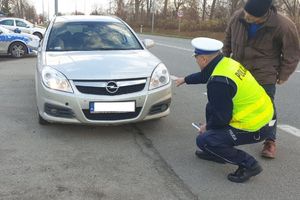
(9,58)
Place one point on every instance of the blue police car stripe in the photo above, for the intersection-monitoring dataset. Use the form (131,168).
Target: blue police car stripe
(9,38)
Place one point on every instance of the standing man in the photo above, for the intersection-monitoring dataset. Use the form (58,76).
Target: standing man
(238,110)
(267,44)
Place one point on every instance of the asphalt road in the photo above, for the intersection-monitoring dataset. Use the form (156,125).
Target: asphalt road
(149,160)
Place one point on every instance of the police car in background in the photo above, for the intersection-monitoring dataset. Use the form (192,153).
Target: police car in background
(17,24)
(17,44)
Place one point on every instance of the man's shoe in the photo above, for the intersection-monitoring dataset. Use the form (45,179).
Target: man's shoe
(205,156)
(269,149)
(243,174)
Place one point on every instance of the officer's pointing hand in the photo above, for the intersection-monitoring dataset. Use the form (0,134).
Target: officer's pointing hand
(202,129)
(179,81)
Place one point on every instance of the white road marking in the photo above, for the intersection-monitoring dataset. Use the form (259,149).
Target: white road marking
(297,71)
(170,46)
(289,129)
(205,93)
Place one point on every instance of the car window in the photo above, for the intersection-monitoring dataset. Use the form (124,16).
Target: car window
(7,22)
(21,24)
(89,36)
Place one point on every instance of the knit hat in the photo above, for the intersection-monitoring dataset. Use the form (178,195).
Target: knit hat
(258,8)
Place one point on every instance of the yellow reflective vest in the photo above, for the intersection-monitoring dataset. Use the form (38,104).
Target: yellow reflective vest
(252,107)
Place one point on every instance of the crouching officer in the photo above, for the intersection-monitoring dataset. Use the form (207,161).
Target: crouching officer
(238,110)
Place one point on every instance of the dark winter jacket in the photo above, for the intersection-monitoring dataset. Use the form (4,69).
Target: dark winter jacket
(273,53)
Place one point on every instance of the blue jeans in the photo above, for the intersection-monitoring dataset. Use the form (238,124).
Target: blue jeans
(271,90)
(221,143)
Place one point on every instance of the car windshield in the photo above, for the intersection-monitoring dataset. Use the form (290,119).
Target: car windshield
(91,36)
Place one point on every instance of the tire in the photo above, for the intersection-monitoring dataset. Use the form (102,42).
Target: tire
(38,34)
(18,50)
(42,121)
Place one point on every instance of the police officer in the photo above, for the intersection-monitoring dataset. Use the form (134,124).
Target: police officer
(238,110)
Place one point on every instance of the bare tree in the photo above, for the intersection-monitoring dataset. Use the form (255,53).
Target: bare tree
(137,4)
(203,9)
(234,5)
(165,8)
(120,8)
(178,4)
(4,6)
(148,7)
(191,10)
(292,7)
(97,10)
(30,13)
(212,9)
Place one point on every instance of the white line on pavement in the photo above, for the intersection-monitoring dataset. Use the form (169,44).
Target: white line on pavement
(170,46)
(205,93)
(298,71)
(289,129)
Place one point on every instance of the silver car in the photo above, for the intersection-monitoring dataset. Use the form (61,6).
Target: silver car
(95,70)
(17,44)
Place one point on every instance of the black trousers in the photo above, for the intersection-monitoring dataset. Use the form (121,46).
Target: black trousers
(271,91)
(221,143)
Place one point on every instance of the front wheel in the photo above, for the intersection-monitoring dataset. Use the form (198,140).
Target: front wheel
(17,50)
(42,121)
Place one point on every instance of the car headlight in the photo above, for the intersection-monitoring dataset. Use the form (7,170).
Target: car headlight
(55,80)
(160,77)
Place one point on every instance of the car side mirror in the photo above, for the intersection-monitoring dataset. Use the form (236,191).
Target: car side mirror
(148,43)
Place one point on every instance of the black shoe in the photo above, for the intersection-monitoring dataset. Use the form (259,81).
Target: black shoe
(205,156)
(243,174)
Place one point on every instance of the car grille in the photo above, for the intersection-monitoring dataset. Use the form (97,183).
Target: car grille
(112,116)
(110,87)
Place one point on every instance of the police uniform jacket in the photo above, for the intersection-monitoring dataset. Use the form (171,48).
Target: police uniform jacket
(220,93)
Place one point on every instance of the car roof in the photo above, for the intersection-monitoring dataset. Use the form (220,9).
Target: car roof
(76,18)
(12,18)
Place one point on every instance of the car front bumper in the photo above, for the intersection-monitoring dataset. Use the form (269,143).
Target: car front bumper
(61,107)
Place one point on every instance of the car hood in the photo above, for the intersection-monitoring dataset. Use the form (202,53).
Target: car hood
(104,65)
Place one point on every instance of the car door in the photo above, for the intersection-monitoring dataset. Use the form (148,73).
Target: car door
(25,28)
(8,24)
(3,43)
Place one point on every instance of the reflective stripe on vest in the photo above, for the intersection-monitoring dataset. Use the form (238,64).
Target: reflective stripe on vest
(252,107)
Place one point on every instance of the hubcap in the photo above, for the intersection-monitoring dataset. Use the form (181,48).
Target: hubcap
(18,50)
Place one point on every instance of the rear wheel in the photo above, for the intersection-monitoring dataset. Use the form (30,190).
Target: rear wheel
(17,50)
(38,34)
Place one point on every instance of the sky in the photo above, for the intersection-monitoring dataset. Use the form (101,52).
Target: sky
(68,6)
